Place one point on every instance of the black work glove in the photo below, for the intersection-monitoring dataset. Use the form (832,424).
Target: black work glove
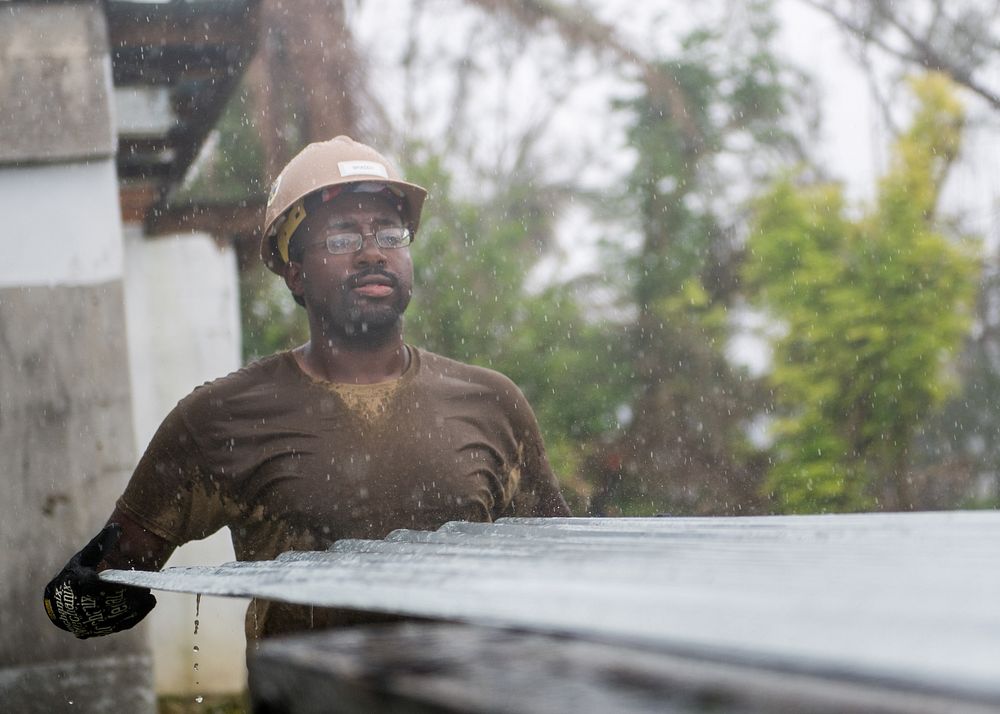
(78,601)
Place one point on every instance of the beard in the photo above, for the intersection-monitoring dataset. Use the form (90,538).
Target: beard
(364,319)
(371,319)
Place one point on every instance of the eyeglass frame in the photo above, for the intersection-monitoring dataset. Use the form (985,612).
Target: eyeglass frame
(361,234)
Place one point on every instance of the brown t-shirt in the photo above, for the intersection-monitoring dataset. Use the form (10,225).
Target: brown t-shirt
(292,463)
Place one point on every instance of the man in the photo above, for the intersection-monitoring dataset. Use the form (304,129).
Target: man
(351,435)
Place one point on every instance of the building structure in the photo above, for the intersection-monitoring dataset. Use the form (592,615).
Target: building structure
(103,108)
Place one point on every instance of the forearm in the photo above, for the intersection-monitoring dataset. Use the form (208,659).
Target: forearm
(137,549)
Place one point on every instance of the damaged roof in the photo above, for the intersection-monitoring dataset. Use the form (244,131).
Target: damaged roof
(174,64)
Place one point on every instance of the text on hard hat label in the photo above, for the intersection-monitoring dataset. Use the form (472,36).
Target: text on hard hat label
(362,168)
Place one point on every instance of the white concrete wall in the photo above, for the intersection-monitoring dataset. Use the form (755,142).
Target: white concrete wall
(66,436)
(182,310)
(61,225)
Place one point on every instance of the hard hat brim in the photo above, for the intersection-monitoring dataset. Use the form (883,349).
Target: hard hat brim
(337,162)
(413,195)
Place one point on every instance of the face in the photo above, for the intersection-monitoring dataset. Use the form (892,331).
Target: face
(365,292)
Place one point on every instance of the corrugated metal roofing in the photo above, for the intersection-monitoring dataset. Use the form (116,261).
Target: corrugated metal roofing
(908,598)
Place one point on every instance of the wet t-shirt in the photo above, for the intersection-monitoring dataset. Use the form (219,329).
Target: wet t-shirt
(292,463)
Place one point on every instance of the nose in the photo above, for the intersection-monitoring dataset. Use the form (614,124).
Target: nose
(371,253)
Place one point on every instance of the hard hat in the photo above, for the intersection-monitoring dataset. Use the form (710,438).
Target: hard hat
(320,165)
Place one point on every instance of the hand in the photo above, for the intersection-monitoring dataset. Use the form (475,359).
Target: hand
(78,601)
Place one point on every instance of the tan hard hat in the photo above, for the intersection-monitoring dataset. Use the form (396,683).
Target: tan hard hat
(340,160)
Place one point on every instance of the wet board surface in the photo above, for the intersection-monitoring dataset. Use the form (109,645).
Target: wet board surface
(908,600)
(466,668)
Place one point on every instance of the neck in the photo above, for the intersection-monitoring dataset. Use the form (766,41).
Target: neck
(354,359)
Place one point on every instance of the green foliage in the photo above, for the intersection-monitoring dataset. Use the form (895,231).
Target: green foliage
(872,310)
(236,703)
(735,100)
(728,96)
(234,171)
(271,320)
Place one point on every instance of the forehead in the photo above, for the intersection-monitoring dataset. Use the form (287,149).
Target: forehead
(352,208)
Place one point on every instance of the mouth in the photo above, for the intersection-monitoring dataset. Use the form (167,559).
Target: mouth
(374,285)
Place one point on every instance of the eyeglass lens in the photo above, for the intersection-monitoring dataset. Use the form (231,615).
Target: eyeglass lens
(352,242)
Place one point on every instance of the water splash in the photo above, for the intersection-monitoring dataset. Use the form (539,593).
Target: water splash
(195,649)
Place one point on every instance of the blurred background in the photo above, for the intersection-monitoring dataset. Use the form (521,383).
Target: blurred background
(740,255)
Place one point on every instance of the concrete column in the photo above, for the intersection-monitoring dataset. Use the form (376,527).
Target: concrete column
(182,307)
(66,437)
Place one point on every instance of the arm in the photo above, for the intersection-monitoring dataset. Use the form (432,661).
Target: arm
(77,601)
(163,506)
(538,494)
(137,548)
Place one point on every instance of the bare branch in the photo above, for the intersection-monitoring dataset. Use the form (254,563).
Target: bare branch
(881,101)
(580,29)
(919,50)
(863,33)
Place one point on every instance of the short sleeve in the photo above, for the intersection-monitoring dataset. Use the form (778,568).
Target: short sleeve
(172,492)
(538,494)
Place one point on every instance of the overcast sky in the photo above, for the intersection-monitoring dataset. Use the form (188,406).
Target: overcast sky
(853,142)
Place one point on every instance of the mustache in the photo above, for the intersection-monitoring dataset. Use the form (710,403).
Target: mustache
(356,279)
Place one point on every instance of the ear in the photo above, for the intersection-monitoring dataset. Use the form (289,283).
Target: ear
(294,277)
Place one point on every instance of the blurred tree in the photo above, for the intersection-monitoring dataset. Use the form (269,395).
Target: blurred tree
(960,39)
(723,100)
(231,171)
(872,309)
(580,30)
(685,449)
(958,448)
(308,80)
(270,319)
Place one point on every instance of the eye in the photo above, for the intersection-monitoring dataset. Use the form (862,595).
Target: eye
(393,237)
(343,242)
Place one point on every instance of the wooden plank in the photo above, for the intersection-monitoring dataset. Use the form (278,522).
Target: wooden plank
(193,24)
(429,667)
(224,221)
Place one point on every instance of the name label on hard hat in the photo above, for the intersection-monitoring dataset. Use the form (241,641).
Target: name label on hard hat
(362,168)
